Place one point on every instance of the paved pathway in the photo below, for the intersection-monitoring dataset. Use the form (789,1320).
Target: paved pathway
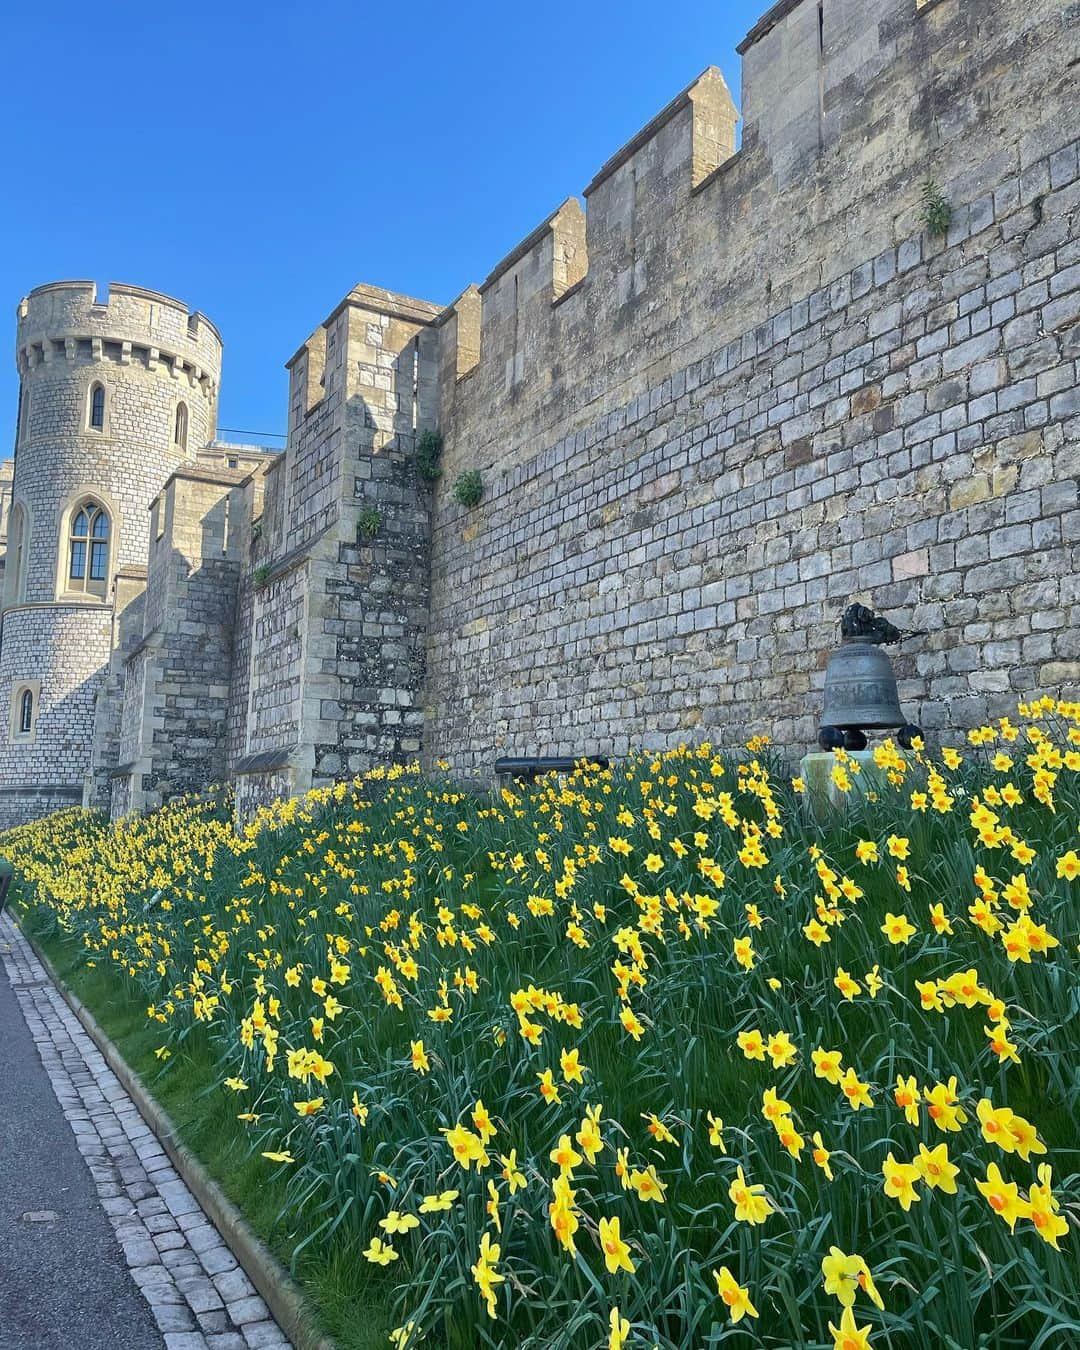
(102,1246)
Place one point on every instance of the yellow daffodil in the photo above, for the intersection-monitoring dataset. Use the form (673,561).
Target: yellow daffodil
(855,1090)
(751,1044)
(485,1275)
(908,1097)
(827,1065)
(548,1089)
(935,1168)
(572,1068)
(616,1251)
(822,1156)
(849,1336)
(436,1204)
(564,1157)
(619,1330)
(781,1050)
(588,1136)
(396,1222)
(845,1275)
(898,928)
(1003,1197)
(942,1105)
(1045,1213)
(380,1253)
(751,1204)
(648,1185)
(900,1181)
(734,1295)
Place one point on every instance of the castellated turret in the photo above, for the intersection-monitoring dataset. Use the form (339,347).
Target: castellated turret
(114,395)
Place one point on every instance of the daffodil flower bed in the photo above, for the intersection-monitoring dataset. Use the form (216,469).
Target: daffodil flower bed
(643,1057)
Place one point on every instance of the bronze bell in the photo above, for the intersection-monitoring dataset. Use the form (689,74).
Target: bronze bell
(860,687)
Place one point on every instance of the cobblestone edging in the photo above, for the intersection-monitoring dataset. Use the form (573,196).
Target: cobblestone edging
(197,1291)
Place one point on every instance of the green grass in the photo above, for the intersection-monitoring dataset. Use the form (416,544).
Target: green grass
(342,1296)
(210,928)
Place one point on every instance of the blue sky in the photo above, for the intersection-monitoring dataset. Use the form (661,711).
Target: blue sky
(258,160)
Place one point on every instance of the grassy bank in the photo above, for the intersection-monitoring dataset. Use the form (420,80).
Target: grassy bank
(648,1057)
(340,1292)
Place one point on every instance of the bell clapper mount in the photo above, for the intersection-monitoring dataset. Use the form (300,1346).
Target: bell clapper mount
(860,686)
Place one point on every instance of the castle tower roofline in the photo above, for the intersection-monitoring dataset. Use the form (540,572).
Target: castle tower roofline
(393,303)
(122,288)
(194,473)
(149,320)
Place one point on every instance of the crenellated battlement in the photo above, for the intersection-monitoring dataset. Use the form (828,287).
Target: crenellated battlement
(771,389)
(65,320)
(849,105)
(629,199)
(726,390)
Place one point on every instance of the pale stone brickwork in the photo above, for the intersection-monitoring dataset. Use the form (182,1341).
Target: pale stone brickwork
(171,726)
(771,393)
(149,356)
(129,596)
(61,649)
(333,672)
(739,388)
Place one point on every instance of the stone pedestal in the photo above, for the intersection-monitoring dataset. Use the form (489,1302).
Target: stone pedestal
(821,792)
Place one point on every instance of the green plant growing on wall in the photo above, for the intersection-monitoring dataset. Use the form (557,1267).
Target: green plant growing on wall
(261,573)
(368,522)
(428,450)
(469,488)
(937,212)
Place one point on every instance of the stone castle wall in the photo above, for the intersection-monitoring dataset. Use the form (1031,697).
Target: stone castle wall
(149,355)
(740,388)
(328,665)
(60,652)
(770,392)
(177,680)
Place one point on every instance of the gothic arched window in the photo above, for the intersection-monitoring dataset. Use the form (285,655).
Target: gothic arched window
(14,573)
(97,406)
(180,434)
(88,549)
(25,698)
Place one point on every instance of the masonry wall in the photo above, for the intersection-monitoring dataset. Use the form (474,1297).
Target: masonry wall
(179,674)
(366,647)
(329,656)
(735,391)
(150,355)
(61,650)
(128,614)
(770,393)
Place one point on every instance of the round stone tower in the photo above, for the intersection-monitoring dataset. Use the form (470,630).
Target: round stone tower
(114,394)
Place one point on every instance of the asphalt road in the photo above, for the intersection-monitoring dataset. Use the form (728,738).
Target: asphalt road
(64,1284)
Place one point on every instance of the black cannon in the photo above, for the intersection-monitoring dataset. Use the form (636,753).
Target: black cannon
(528,768)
